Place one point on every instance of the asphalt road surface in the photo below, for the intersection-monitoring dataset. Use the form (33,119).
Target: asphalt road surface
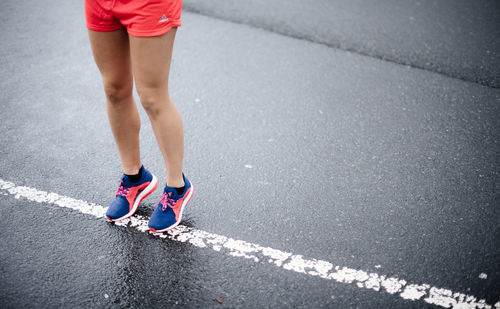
(328,173)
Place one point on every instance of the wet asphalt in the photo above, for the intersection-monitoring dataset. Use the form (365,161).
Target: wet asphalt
(356,160)
(457,38)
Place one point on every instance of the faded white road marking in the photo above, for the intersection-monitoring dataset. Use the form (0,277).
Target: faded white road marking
(239,248)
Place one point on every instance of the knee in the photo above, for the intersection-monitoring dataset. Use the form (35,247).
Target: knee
(153,100)
(117,93)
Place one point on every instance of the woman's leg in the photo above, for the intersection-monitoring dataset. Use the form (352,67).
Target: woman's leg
(151,65)
(112,55)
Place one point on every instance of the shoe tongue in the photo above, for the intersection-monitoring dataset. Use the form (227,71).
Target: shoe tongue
(126,182)
(171,190)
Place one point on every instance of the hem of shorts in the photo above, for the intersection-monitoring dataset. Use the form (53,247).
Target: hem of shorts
(102,28)
(146,34)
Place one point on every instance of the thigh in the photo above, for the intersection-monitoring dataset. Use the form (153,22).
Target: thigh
(151,58)
(112,55)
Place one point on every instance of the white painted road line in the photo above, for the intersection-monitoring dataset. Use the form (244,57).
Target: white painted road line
(239,248)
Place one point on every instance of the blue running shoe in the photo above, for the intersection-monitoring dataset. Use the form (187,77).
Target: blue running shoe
(168,214)
(130,195)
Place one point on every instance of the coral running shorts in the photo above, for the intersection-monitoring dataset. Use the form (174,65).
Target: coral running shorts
(142,18)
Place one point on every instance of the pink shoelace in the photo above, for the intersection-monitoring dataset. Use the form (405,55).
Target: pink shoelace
(167,201)
(122,190)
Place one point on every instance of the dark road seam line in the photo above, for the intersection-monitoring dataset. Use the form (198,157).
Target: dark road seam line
(337,46)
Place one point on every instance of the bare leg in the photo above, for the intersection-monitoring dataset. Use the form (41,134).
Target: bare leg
(112,55)
(151,65)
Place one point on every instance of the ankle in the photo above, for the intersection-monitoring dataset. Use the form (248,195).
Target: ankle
(136,177)
(132,169)
(175,182)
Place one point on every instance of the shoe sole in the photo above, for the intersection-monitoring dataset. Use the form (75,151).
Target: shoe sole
(147,191)
(184,204)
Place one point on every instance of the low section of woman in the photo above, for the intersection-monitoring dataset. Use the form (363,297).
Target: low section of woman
(133,40)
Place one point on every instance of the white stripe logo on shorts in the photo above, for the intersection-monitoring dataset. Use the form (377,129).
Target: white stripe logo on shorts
(163,19)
